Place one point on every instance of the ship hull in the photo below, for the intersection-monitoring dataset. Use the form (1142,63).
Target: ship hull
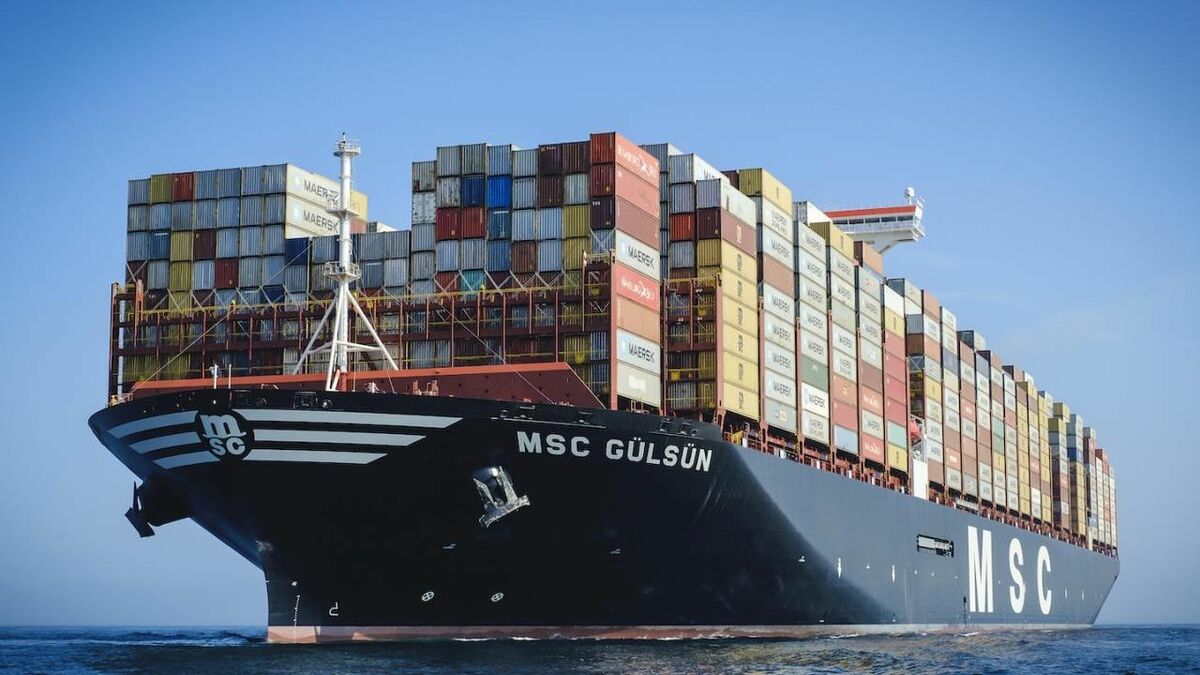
(391,517)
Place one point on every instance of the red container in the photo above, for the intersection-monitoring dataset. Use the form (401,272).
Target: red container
(636,223)
(447,224)
(550,159)
(683,227)
(225,273)
(969,449)
(923,345)
(602,179)
(870,376)
(843,390)
(733,177)
(523,257)
(717,223)
(1010,418)
(931,306)
(637,287)
(845,415)
(870,399)
(183,187)
(773,273)
(473,222)
(446,281)
(967,406)
(894,366)
(868,257)
(937,473)
(549,191)
(575,156)
(895,411)
(896,387)
(618,181)
(610,148)
(893,344)
(136,271)
(871,448)
(204,245)
(204,298)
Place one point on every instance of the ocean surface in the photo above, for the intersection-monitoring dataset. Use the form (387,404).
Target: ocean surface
(225,651)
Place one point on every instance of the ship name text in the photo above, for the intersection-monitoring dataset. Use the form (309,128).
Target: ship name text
(636,450)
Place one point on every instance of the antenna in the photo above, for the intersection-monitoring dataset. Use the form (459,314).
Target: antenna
(343,271)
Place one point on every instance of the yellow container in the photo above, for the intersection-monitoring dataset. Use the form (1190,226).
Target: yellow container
(736,314)
(734,261)
(738,371)
(933,390)
(577,221)
(573,250)
(738,400)
(1061,410)
(760,183)
(708,273)
(575,349)
(893,323)
(1057,424)
(179,277)
(707,366)
(181,247)
(708,253)
(997,460)
(897,457)
(181,301)
(707,395)
(741,290)
(835,237)
(740,342)
(161,188)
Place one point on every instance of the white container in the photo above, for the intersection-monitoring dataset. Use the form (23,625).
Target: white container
(637,255)
(638,384)
(777,302)
(779,387)
(638,351)
(424,207)
(773,218)
(779,359)
(718,193)
(814,400)
(689,168)
(815,427)
(777,247)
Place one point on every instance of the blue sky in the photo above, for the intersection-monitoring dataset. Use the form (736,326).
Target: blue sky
(1055,145)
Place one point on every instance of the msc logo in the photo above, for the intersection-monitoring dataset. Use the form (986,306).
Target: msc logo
(225,434)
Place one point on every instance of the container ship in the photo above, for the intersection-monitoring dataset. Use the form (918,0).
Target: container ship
(593,389)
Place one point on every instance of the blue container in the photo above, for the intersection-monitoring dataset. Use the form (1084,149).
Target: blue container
(160,245)
(472,280)
(273,294)
(296,250)
(499,254)
(499,192)
(472,189)
(499,224)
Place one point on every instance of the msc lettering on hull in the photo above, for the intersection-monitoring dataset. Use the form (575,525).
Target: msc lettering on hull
(635,450)
(980,597)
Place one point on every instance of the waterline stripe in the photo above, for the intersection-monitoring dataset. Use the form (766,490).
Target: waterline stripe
(158,421)
(353,437)
(338,417)
(169,441)
(176,461)
(314,456)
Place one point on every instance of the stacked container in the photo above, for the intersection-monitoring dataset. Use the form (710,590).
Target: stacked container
(872,438)
(812,323)
(1060,485)
(713,322)
(951,403)
(218,237)
(968,417)
(895,381)
(777,293)
(924,351)
(1047,476)
(1028,461)
(843,340)
(624,202)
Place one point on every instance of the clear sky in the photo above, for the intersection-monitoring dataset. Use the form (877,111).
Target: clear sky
(1055,145)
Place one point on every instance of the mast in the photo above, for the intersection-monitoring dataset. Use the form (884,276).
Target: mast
(344,271)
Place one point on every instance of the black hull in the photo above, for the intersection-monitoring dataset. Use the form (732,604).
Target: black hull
(359,537)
